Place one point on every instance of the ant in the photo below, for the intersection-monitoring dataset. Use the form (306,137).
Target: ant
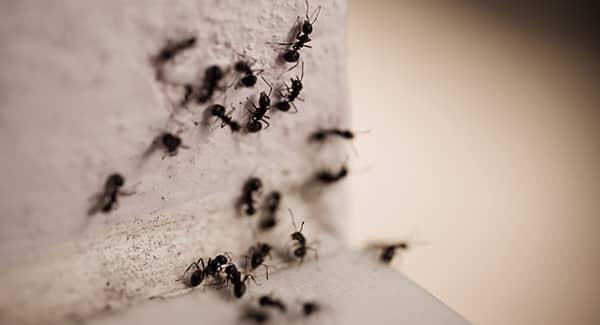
(108,199)
(212,268)
(219,111)
(257,256)
(169,51)
(212,77)
(301,247)
(327,177)
(293,91)
(388,251)
(292,54)
(254,184)
(170,142)
(321,135)
(272,205)
(268,301)
(310,307)
(235,276)
(259,113)
(255,315)
(248,75)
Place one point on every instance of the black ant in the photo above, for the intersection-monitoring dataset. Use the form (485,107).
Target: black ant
(255,315)
(254,184)
(327,177)
(310,307)
(301,246)
(108,199)
(293,91)
(219,111)
(248,74)
(259,114)
(169,51)
(388,251)
(212,77)
(212,268)
(173,48)
(170,142)
(257,256)
(268,301)
(292,54)
(271,206)
(235,276)
(321,135)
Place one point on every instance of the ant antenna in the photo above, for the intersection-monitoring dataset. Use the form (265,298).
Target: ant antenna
(302,75)
(268,84)
(294,222)
(315,14)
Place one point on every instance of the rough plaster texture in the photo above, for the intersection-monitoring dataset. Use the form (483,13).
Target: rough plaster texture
(79,100)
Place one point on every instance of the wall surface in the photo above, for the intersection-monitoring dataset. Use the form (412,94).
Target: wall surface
(79,100)
(485,143)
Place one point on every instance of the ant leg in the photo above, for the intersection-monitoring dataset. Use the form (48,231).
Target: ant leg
(294,106)
(186,270)
(266,270)
(250,276)
(292,68)
(268,124)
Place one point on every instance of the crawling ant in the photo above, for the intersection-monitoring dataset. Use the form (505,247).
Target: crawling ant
(257,316)
(293,91)
(327,177)
(272,204)
(169,51)
(212,77)
(388,250)
(301,246)
(212,268)
(219,111)
(235,276)
(257,256)
(248,74)
(108,199)
(323,134)
(292,54)
(170,142)
(310,307)
(252,185)
(173,48)
(259,114)
(268,301)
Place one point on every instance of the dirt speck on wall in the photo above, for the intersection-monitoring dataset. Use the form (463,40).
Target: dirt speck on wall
(79,100)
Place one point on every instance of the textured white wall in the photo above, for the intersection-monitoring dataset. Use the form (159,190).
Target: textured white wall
(79,101)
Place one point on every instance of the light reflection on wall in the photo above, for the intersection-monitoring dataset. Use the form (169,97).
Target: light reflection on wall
(485,142)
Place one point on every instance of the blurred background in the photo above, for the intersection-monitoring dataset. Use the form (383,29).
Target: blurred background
(485,143)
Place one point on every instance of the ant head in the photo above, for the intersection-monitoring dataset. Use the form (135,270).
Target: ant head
(171,142)
(248,81)
(242,66)
(347,134)
(254,184)
(297,84)
(264,101)
(318,136)
(283,106)
(115,180)
(343,171)
(231,269)
(275,196)
(300,251)
(310,308)
(265,248)
(254,126)
(307,27)
(235,126)
(221,259)
(196,278)
(217,110)
(291,56)
(213,73)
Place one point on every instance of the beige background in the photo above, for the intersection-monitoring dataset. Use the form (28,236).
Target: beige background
(485,143)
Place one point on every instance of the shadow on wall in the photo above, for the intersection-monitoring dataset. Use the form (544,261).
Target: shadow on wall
(485,143)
